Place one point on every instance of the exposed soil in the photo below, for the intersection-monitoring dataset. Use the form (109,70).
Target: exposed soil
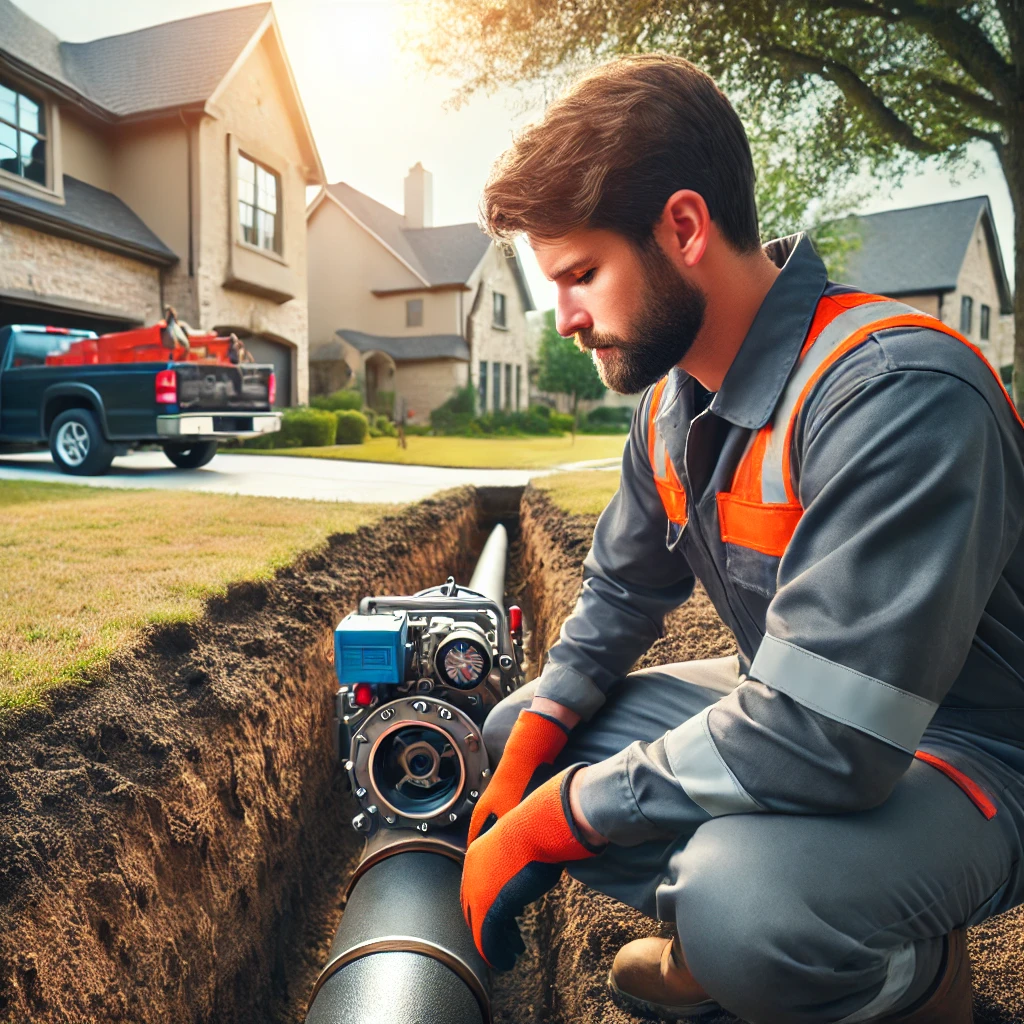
(173,837)
(573,933)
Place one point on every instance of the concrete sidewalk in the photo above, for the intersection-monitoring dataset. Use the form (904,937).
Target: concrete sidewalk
(274,476)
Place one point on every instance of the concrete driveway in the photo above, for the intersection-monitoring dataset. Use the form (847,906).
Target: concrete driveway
(274,476)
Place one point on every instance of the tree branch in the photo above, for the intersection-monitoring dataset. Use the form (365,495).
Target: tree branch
(980,105)
(858,93)
(966,43)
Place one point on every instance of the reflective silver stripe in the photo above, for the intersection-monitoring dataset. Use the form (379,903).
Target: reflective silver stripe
(659,455)
(899,973)
(773,488)
(869,705)
(701,771)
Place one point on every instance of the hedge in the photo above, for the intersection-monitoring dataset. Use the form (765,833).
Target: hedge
(346,398)
(352,427)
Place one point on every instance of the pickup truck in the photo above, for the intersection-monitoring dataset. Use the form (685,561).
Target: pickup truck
(91,398)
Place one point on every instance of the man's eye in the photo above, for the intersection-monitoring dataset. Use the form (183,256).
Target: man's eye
(587,277)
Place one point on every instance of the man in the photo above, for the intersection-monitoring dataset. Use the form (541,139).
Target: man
(822,815)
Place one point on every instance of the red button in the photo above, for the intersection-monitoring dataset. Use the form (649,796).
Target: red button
(515,619)
(364,694)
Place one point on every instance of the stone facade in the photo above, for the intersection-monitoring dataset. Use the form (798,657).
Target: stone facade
(59,271)
(491,343)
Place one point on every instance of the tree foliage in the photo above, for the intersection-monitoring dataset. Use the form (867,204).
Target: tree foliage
(563,369)
(841,86)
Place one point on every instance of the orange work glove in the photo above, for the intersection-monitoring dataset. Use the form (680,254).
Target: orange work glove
(515,863)
(535,740)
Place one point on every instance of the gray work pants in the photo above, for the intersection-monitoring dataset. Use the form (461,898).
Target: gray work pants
(807,918)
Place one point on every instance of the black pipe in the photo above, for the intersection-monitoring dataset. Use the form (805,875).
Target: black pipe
(402,952)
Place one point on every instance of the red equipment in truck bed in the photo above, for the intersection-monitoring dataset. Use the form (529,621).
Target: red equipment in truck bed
(142,345)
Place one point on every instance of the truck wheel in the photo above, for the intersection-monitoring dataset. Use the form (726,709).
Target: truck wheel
(191,456)
(77,444)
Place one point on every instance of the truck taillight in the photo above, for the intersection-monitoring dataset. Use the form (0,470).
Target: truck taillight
(271,388)
(167,387)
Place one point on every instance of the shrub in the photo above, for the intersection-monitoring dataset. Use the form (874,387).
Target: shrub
(352,427)
(385,427)
(346,398)
(610,416)
(300,428)
(560,421)
(417,429)
(540,410)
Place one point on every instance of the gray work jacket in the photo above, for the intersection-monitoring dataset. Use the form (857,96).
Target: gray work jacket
(898,602)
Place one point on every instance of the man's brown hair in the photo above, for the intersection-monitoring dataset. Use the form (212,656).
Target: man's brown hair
(610,152)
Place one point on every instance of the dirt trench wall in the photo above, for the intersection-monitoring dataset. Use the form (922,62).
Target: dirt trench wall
(163,831)
(572,934)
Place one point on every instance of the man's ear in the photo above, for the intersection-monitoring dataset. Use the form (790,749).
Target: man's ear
(685,227)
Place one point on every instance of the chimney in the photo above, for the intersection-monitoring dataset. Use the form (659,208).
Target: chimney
(419,198)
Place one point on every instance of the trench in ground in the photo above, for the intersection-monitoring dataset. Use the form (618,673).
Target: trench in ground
(175,840)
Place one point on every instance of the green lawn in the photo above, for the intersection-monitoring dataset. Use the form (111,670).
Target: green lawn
(582,493)
(83,569)
(469,452)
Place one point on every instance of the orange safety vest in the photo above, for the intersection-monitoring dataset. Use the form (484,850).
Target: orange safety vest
(761,511)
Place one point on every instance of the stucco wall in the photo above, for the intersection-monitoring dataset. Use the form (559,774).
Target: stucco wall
(86,151)
(57,268)
(977,279)
(492,344)
(255,115)
(345,264)
(926,303)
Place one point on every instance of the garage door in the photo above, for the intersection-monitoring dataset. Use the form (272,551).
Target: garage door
(280,357)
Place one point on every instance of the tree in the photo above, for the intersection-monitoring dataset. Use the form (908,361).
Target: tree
(564,370)
(848,84)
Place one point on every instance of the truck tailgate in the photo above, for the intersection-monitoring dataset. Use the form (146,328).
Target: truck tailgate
(211,387)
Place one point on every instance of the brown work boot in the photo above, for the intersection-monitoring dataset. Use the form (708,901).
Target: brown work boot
(650,976)
(950,999)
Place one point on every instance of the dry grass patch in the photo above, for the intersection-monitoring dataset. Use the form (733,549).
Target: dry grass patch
(582,493)
(83,569)
(469,452)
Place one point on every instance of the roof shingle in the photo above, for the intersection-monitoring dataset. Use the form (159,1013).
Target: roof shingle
(402,350)
(163,66)
(99,214)
(918,249)
(444,255)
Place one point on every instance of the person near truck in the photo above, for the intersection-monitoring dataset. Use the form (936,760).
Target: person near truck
(822,815)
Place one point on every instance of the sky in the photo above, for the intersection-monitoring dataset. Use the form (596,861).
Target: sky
(374,113)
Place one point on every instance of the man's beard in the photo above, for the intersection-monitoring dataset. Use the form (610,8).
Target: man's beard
(672,314)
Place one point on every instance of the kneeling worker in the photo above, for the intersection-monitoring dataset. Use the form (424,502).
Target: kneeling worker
(822,816)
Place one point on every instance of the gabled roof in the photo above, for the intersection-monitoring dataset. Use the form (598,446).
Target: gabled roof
(164,66)
(921,248)
(437,256)
(402,350)
(90,215)
(168,67)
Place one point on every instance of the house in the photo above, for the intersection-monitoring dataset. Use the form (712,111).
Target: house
(164,166)
(413,310)
(944,259)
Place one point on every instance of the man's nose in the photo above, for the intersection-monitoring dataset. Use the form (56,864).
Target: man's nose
(571,317)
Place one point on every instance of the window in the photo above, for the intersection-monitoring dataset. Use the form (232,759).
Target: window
(508,386)
(413,312)
(1006,375)
(983,326)
(519,382)
(966,314)
(22,135)
(499,310)
(483,387)
(496,385)
(259,192)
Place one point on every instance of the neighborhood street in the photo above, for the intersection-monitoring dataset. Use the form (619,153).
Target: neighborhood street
(274,476)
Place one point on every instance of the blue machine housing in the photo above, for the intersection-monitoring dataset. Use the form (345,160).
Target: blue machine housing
(371,648)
